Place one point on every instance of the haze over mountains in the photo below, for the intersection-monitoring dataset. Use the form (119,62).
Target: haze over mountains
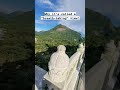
(11,14)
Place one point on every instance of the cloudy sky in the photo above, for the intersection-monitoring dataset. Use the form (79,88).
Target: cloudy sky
(9,6)
(77,6)
(109,8)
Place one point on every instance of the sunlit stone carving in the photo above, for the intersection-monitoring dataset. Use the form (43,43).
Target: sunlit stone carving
(36,87)
(110,49)
(64,72)
(76,61)
(104,78)
(58,65)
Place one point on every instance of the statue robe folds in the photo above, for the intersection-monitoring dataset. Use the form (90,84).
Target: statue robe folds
(64,72)
(58,65)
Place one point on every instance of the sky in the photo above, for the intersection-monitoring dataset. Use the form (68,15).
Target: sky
(42,6)
(8,6)
(109,8)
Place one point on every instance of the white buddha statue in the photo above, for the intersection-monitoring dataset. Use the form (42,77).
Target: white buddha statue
(58,65)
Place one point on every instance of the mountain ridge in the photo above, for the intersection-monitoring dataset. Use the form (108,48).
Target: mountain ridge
(60,34)
(99,31)
(58,28)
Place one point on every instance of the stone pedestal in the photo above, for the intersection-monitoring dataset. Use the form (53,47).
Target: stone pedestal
(112,83)
(52,85)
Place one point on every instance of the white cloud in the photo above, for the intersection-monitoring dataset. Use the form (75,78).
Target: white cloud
(38,22)
(37,29)
(79,7)
(43,22)
(48,2)
(45,2)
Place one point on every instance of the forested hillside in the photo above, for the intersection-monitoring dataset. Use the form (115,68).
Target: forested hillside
(99,31)
(17,51)
(47,42)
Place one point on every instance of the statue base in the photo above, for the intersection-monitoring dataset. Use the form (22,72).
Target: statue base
(50,84)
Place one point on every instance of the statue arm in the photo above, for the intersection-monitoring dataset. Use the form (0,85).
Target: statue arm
(51,62)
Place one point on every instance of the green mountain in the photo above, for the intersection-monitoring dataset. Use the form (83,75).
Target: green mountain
(57,36)
(99,31)
(99,28)
(19,32)
(16,13)
(47,42)
(17,51)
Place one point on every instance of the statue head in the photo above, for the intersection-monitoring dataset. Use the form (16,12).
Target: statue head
(110,46)
(58,65)
(61,48)
(81,45)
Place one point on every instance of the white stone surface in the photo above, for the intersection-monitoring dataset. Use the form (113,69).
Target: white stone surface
(36,87)
(102,72)
(118,63)
(112,77)
(80,85)
(58,65)
(94,78)
(71,80)
(63,73)
(39,73)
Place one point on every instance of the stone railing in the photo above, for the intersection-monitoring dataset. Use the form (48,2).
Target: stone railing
(101,76)
(64,73)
